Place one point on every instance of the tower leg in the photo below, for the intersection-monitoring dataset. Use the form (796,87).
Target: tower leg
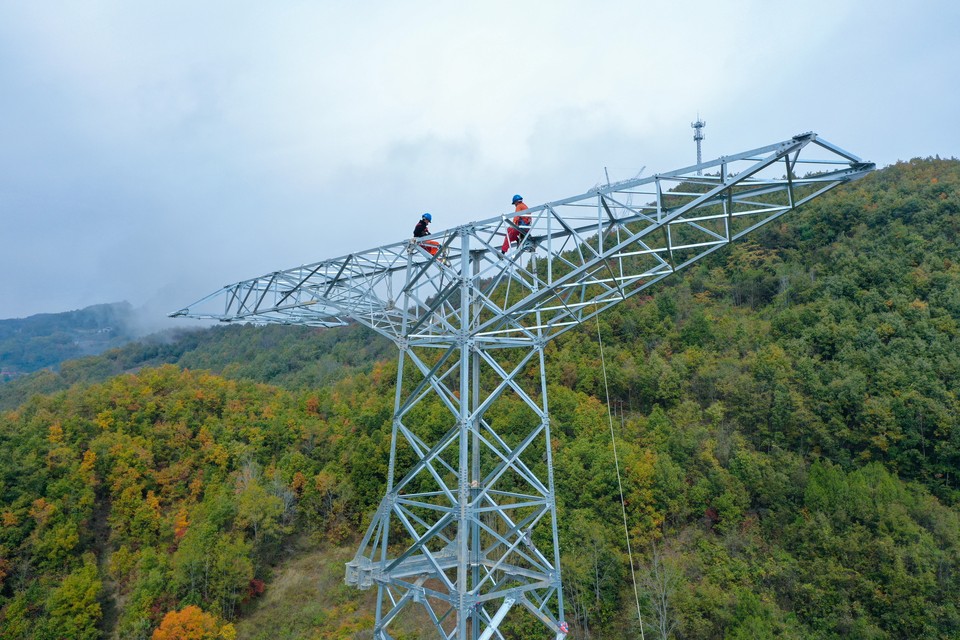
(468,505)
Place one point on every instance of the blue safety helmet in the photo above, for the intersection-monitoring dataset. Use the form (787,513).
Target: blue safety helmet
(517,198)
(428,217)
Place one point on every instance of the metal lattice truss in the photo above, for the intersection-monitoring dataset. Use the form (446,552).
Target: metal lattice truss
(468,526)
(580,255)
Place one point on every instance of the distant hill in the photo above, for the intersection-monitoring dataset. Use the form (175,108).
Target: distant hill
(47,339)
(292,357)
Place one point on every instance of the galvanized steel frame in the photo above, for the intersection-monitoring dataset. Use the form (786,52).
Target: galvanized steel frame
(472,323)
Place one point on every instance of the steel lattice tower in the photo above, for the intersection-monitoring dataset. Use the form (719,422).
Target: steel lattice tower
(467,528)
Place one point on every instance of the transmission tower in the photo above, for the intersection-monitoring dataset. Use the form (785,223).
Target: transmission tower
(698,137)
(467,528)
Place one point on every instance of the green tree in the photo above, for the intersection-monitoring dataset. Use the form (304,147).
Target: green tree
(73,609)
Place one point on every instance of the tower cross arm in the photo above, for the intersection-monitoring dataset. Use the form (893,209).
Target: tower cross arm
(576,256)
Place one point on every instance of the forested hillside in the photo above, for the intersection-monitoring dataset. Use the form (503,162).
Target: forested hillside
(787,424)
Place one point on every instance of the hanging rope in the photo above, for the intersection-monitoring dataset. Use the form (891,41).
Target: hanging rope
(616,462)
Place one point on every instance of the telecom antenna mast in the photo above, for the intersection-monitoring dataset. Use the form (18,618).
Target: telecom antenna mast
(698,137)
(467,528)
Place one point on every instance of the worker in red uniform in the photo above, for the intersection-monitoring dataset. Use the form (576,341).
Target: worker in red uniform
(421,231)
(515,234)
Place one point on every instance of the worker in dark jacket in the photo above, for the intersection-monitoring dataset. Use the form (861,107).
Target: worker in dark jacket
(422,230)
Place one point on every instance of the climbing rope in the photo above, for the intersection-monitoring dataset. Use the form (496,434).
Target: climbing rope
(616,462)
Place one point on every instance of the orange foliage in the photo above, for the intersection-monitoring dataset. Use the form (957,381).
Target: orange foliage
(41,511)
(299,480)
(196,486)
(180,524)
(190,623)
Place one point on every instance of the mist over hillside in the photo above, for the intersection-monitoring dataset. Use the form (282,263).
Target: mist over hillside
(293,357)
(47,339)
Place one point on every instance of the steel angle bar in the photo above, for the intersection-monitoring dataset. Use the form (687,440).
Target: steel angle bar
(497,507)
(820,142)
(541,601)
(693,222)
(516,495)
(819,192)
(422,495)
(447,394)
(493,623)
(612,279)
(423,593)
(511,544)
(719,241)
(744,213)
(421,539)
(426,457)
(407,502)
(501,386)
(398,606)
(438,535)
(408,506)
(516,463)
(507,378)
(512,549)
(431,379)
(438,571)
(538,612)
(508,462)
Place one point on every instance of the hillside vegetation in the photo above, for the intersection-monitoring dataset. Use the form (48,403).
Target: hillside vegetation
(787,424)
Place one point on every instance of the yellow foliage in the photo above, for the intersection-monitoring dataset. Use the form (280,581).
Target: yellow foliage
(219,456)
(55,433)
(41,511)
(180,523)
(89,459)
(324,482)
(105,420)
(196,487)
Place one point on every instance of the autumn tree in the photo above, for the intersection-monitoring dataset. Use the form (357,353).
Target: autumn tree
(189,623)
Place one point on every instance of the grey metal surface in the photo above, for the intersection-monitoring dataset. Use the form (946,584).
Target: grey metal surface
(467,527)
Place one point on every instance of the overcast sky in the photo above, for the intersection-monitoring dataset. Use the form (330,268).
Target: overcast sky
(156,151)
